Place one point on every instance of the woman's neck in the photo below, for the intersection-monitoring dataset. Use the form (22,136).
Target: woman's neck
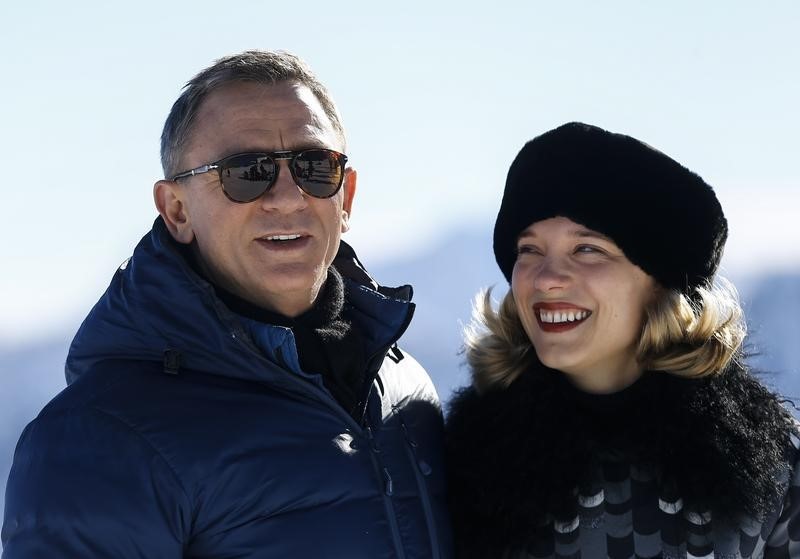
(604,382)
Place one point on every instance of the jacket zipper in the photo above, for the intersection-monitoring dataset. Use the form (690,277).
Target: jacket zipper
(371,362)
(422,488)
(383,473)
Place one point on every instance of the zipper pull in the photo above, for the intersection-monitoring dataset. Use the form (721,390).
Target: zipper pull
(423,466)
(407,435)
(389,488)
(372,444)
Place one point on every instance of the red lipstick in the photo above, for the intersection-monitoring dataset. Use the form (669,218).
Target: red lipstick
(558,317)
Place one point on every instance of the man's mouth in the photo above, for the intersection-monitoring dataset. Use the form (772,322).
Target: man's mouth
(282,238)
(284,242)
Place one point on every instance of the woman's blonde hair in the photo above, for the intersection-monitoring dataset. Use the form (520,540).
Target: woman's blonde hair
(685,336)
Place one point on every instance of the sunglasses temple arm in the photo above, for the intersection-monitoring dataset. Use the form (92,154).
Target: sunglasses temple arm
(195,171)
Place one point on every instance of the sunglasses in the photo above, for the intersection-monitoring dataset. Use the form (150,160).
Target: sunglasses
(247,176)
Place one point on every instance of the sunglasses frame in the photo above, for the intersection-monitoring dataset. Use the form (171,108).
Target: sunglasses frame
(275,156)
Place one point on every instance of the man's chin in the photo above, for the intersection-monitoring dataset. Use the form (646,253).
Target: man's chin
(287,290)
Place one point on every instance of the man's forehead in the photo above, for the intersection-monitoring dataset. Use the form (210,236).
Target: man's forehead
(282,101)
(286,111)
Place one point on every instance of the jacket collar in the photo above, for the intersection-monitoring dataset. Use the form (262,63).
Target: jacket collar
(156,302)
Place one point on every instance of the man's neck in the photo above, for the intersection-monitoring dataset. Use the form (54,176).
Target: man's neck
(325,309)
(285,313)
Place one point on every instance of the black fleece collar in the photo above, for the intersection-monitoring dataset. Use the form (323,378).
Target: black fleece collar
(327,342)
(516,455)
(325,310)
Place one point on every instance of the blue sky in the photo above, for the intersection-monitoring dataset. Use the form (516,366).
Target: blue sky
(437,97)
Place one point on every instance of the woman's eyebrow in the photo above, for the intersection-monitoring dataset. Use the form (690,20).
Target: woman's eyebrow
(580,233)
(586,233)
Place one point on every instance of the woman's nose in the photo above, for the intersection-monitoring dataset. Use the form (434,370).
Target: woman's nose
(551,274)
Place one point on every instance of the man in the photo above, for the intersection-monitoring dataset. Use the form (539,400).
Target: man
(237,391)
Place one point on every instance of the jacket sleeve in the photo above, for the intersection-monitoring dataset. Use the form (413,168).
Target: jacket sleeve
(784,540)
(83,484)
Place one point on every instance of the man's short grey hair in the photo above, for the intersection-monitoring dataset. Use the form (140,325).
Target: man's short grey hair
(263,67)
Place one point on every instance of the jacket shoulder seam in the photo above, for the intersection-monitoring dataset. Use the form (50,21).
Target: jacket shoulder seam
(144,440)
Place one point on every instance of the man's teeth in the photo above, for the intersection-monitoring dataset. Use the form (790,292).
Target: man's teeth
(562,316)
(282,237)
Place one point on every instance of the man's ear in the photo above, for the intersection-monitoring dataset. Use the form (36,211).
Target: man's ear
(168,196)
(349,188)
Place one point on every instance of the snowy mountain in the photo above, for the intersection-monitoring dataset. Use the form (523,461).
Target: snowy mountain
(772,308)
(445,280)
(31,375)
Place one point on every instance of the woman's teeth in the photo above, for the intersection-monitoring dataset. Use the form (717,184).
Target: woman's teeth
(562,316)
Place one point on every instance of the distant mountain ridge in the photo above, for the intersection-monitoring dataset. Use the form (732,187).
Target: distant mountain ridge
(446,279)
(772,309)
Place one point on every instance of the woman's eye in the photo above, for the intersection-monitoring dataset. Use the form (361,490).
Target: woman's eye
(527,249)
(589,249)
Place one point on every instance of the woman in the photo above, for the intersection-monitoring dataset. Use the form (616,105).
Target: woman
(611,413)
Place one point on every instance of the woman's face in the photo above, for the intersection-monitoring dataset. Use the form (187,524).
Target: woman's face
(581,302)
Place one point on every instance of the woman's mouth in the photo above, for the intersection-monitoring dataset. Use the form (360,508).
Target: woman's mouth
(560,319)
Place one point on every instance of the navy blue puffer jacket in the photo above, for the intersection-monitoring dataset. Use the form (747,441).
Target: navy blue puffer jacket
(189,431)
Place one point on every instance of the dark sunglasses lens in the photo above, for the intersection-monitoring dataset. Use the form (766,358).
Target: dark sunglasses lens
(319,172)
(246,177)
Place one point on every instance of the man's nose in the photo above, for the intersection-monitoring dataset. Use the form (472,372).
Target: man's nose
(284,196)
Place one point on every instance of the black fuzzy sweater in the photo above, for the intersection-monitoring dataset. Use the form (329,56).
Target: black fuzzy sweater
(667,467)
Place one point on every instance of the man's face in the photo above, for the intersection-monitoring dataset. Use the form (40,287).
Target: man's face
(231,240)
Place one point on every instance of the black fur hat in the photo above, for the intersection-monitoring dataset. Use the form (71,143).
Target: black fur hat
(664,217)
